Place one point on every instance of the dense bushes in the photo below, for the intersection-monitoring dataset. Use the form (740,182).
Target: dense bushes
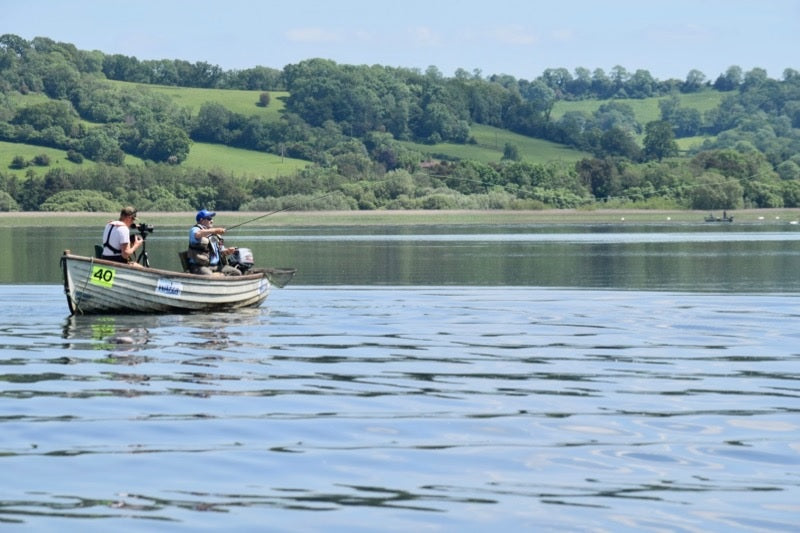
(7,203)
(80,200)
(712,180)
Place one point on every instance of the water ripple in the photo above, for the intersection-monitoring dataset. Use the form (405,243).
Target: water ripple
(459,408)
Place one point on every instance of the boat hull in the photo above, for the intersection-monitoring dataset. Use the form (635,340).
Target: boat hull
(96,286)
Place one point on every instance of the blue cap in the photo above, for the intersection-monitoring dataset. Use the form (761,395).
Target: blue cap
(204,213)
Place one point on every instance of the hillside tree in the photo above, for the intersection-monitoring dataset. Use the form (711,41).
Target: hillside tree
(659,141)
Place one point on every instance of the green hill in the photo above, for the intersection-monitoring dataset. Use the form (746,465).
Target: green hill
(490,141)
(489,146)
(201,155)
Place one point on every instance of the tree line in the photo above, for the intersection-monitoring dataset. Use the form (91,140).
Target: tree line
(713,179)
(350,121)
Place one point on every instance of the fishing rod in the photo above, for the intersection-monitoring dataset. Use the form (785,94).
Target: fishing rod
(287,208)
(295,204)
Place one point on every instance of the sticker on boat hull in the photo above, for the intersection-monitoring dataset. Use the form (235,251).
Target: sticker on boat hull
(103,276)
(168,287)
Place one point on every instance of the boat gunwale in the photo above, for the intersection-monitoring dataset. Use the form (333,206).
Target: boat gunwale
(151,271)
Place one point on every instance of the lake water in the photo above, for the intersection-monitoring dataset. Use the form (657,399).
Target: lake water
(602,378)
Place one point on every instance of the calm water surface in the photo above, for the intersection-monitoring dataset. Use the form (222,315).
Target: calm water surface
(418,380)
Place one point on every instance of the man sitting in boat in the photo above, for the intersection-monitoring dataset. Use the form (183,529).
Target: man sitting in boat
(117,238)
(206,254)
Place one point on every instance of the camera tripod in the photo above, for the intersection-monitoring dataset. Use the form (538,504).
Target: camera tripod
(143,259)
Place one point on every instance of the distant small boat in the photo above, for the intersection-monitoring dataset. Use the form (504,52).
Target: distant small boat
(723,218)
(95,286)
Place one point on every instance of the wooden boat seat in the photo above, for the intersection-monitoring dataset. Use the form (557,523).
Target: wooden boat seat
(184,260)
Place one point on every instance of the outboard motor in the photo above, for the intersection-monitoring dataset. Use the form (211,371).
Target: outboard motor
(242,259)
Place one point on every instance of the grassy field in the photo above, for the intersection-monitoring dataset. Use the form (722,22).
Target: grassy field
(17,99)
(645,110)
(238,101)
(406,218)
(58,159)
(687,143)
(242,162)
(201,155)
(491,142)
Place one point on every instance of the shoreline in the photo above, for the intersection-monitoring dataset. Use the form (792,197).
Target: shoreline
(400,217)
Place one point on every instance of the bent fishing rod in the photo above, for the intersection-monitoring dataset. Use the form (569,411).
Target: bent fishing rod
(292,206)
(287,208)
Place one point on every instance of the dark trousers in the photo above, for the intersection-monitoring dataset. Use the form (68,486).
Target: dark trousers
(115,258)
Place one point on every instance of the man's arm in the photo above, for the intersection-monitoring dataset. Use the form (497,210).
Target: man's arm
(128,249)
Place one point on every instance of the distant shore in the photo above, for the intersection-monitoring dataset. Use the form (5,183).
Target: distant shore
(415,217)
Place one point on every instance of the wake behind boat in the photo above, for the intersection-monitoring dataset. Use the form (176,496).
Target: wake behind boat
(94,285)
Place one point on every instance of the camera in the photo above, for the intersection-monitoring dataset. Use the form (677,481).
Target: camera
(143,228)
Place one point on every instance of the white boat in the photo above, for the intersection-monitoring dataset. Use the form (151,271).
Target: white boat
(95,286)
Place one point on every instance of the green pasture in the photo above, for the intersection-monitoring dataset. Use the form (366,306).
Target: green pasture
(645,109)
(530,149)
(237,101)
(689,143)
(491,143)
(702,101)
(58,159)
(242,162)
(16,99)
(234,161)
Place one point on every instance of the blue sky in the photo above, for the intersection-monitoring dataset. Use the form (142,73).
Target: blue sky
(517,37)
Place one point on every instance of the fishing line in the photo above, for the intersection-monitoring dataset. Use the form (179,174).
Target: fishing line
(295,204)
(287,208)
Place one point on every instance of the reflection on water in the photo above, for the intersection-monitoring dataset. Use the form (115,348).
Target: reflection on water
(703,257)
(391,408)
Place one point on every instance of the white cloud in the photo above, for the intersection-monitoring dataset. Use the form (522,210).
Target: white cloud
(562,35)
(682,33)
(515,35)
(311,35)
(424,36)
(364,36)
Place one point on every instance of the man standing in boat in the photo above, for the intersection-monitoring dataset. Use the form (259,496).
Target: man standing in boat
(206,254)
(117,238)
